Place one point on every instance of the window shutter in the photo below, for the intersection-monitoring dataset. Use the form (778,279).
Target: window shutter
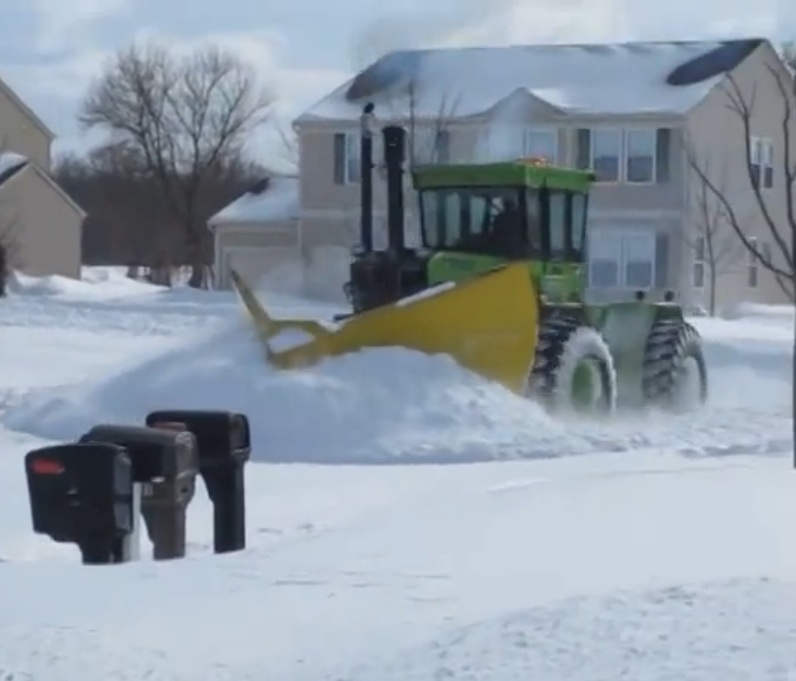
(583,149)
(661,261)
(443,146)
(339,158)
(663,147)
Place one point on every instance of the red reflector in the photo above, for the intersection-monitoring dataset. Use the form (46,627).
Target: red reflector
(46,467)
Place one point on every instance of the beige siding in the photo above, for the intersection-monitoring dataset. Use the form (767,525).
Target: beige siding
(718,141)
(46,227)
(21,134)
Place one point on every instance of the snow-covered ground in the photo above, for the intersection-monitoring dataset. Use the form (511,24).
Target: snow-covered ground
(645,548)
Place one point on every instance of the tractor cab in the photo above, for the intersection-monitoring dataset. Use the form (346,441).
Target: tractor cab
(474,217)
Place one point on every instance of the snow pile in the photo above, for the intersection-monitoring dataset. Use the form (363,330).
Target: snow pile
(759,313)
(740,629)
(382,405)
(97,284)
(394,406)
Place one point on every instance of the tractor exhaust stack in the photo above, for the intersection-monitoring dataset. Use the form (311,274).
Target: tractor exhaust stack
(366,122)
(394,154)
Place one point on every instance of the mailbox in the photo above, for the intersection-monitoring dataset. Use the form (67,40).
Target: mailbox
(83,494)
(165,462)
(224,442)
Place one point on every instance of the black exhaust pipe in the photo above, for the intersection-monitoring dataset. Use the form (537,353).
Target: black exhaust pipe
(366,177)
(394,155)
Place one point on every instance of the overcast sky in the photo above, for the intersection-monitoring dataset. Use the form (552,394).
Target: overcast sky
(51,49)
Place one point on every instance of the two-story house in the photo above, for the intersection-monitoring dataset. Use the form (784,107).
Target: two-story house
(641,115)
(40,226)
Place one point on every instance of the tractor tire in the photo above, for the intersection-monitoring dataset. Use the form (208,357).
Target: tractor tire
(670,345)
(565,347)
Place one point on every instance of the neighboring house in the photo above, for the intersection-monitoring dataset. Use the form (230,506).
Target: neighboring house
(40,225)
(258,233)
(623,110)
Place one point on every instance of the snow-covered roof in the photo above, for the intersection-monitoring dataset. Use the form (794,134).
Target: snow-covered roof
(10,163)
(277,201)
(611,79)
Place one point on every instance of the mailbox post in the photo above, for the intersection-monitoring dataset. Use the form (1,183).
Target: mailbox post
(84,494)
(165,463)
(224,442)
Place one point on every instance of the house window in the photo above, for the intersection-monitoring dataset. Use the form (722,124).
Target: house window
(640,151)
(622,259)
(700,257)
(752,264)
(605,259)
(606,152)
(639,260)
(636,156)
(761,151)
(541,143)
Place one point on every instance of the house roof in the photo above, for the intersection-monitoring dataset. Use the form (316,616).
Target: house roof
(13,165)
(611,79)
(274,200)
(10,165)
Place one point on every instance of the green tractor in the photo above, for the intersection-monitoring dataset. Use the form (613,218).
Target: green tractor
(476,218)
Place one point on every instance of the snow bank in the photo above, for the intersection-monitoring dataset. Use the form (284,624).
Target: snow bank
(395,406)
(758,312)
(96,284)
(738,629)
(385,405)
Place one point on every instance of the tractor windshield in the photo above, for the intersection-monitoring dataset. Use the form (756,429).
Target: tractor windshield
(501,221)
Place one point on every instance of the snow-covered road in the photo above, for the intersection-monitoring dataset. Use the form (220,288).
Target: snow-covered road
(663,549)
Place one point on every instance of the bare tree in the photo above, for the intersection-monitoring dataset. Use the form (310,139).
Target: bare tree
(181,116)
(779,221)
(710,239)
(777,215)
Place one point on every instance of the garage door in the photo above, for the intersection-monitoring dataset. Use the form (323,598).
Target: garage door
(274,268)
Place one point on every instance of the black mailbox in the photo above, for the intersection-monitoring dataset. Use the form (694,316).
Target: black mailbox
(224,442)
(83,494)
(165,462)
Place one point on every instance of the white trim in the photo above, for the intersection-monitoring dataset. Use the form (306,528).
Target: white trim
(50,182)
(626,155)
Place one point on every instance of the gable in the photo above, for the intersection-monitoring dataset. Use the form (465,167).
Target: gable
(7,92)
(18,172)
(613,79)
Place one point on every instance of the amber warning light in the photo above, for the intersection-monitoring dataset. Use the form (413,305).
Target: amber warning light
(46,467)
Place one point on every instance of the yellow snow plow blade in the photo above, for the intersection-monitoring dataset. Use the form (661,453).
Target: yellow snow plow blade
(487,323)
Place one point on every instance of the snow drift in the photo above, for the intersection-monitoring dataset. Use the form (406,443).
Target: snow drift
(391,405)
